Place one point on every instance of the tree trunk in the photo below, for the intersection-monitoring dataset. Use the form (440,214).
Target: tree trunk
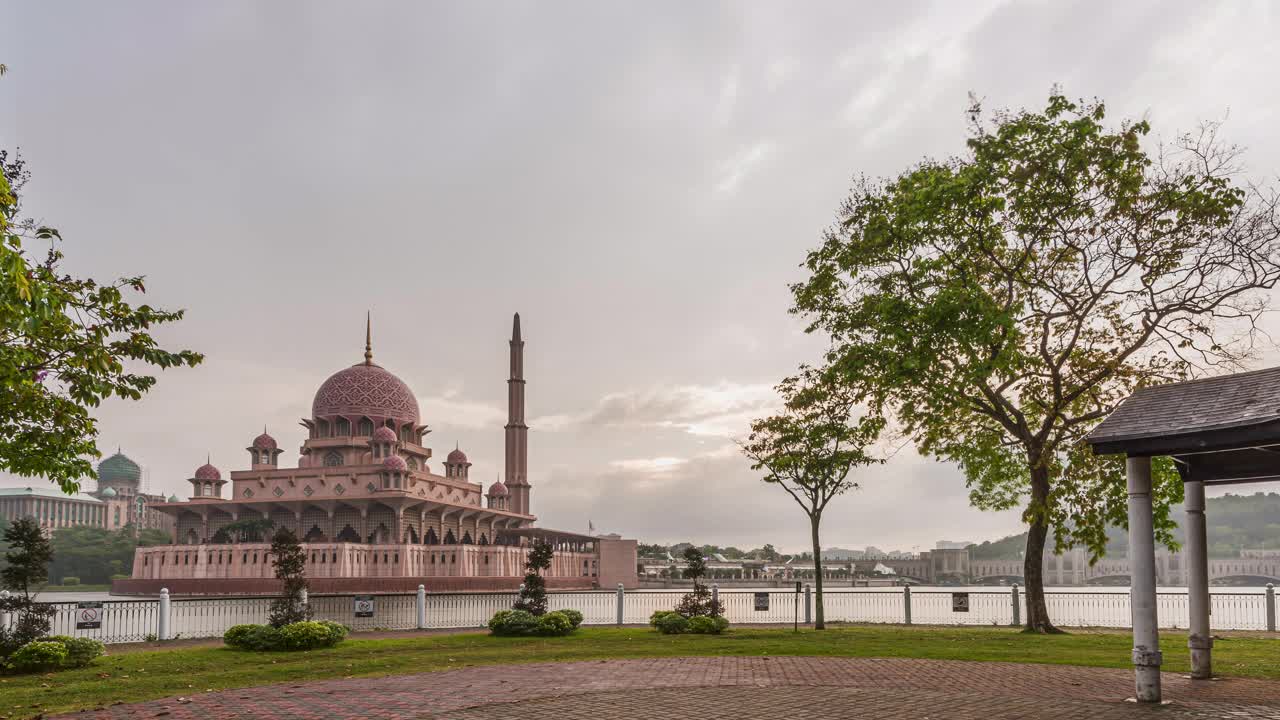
(819,622)
(1033,562)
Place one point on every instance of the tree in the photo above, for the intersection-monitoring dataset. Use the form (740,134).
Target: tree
(247,529)
(290,564)
(810,448)
(998,305)
(699,602)
(26,566)
(66,344)
(533,593)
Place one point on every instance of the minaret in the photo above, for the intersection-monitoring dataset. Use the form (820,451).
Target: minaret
(517,475)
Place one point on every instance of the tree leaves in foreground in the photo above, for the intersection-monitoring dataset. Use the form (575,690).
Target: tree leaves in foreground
(66,344)
(811,447)
(998,305)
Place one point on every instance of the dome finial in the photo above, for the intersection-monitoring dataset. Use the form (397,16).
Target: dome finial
(368,338)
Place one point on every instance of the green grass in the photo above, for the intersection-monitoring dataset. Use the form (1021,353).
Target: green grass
(148,675)
(74,588)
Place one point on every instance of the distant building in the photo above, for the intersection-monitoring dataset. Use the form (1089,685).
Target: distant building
(117,503)
(952,545)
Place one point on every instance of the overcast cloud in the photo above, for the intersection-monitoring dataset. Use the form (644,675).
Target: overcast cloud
(639,180)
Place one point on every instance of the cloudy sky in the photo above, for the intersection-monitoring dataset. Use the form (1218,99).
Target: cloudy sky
(640,181)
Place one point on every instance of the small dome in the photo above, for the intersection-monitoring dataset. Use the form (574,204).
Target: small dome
(119,469)
(395,463)
(208,472)
(265,442)
(497,489)
(456,457)
(108,492)
(174,498)
(384,434)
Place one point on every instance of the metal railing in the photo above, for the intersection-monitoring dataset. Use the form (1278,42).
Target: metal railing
(123,621)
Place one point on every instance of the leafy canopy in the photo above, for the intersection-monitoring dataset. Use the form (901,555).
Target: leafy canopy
(66,344)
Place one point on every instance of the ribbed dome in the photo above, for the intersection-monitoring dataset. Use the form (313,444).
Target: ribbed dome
(208,472)
(384,434)
(498,489)
(119,469)
(456,457)
(265,442)
(365,390)
(395,463)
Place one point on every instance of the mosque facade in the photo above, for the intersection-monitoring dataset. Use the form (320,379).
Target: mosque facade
(371,511)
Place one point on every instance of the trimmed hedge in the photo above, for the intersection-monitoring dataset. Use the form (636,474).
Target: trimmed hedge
(670,622)
(518,623)
(305,635)
(80,650)
(39,656)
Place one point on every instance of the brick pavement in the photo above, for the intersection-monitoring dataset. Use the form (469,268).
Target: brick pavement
(776,688)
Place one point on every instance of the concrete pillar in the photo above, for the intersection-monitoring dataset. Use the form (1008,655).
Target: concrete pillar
(906,604)
(421,603)
(1199,639)
(162,631)
(621,603)
(1142,592)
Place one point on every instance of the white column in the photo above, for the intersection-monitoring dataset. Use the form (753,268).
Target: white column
(1142,591)
(1197,572)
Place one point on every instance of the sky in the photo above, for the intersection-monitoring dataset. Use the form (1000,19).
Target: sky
(640,181)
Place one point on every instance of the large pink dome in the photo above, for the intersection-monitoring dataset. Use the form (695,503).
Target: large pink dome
(365,390)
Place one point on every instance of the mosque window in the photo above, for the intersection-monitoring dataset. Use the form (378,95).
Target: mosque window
(339,489)
(333,458)
(366,426)
(342,427)
(307,491)
(248,492)
(117,516)
(277,491)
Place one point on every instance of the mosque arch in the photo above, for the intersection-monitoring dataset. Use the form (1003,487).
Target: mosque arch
(315,535)
(466,538)
(348,535)
(333,458)
(484,539)
(380,535)
(365,427)
(431,538)
(342,427)
(193,538)
(411,536)
(322,428)
(449,538)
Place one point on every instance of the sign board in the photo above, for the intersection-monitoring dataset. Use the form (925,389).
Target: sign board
(89,615)
(959,602)
(762,601)
(364,606)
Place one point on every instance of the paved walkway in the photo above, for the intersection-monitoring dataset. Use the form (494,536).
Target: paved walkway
(742,688)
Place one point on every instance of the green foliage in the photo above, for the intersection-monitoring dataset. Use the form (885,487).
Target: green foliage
(248,529)
(70,580)
(66,344)
(575,617)
(94,554)
(38,656)
(513,623)
(671,624)
(237,635)
(337,630)
(708,625)
(27,557)
(80,650)
(554,623)
(290,563)
(997,306)
(309,635)
(658,615)
(263,638)
(533,593)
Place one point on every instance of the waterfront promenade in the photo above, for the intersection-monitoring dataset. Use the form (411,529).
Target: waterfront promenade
(769,688)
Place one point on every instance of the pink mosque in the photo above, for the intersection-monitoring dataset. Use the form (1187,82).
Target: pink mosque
(371,513)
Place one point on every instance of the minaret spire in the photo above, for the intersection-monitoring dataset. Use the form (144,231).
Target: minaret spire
(368,338)
(517,433)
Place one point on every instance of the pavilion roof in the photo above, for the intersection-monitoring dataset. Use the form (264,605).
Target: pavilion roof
(1218,413)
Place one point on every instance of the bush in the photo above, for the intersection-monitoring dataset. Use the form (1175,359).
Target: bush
(574,616)
(337,631)
(673,624)
(236,634)
(80,650)
(70,580)
(658,615)
(513,623)
(306,635)
(555,623)
(39,656)
(263,638)
(705,625)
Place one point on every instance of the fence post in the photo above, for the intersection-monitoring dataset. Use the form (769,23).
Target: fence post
(4,617)
(715,593)
(304,600)
(808,604)
(1017,608)
(906,603)
(1271,607)
(422,607)
(621,602)
(162,632)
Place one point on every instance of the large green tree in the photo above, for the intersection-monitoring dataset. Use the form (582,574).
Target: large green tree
(999,304)
(810,449)
(66,344)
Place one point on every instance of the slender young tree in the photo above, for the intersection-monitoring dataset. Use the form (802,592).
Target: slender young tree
(699,602)
(533,594)
(290,564)
(26,568)
(810,449)
(997,306)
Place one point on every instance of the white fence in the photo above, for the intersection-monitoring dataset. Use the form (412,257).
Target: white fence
(138,620)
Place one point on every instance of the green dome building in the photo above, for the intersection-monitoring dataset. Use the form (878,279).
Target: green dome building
(119,471)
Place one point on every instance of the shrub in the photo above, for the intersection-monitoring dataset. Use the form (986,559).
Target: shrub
(80,651)
(306,635)
(658,615)
(236,634)
(555,623)
(38,656)
(574,616)
(706,625)
(263,638)
(70,580)
(673,624)
(513,622)
(337,630)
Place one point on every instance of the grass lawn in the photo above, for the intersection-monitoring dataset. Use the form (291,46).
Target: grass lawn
(74,588)
(139,676)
